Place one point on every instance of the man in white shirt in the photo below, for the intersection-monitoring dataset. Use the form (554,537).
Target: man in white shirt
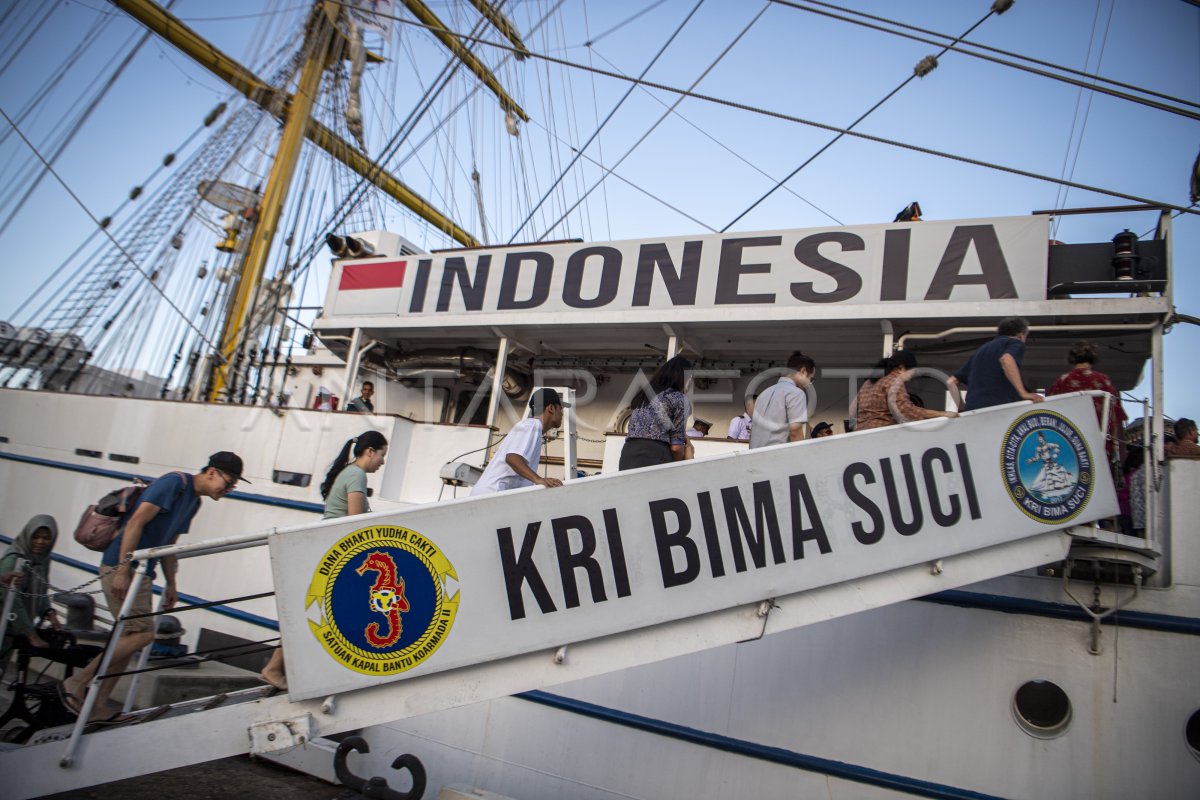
(781,412)
(740,426)
(516,460)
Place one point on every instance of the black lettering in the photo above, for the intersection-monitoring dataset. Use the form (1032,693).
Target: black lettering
(765,522)
(943,518)
(808,253)
(893,497)
(420,285)
(861,470)
(964,466)
(455,269)
(680,286)
(801,494)
(665,540)
(584,559)
(610,275)
(994,272)
(730,270)
(543,267)
(709,523)
(896,247)
(521,569)
(616,551)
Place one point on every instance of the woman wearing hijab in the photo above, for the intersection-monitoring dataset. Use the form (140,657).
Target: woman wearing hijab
(32,584)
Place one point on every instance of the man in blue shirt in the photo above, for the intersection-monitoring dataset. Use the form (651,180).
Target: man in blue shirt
(992,376)
(162,513)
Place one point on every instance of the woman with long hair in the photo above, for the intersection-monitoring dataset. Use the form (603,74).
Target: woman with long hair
(658,424)
(884,400)
(345,493)
(345,486)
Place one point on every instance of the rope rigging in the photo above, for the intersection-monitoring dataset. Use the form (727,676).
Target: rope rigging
(616,107)
(758,110)
(849,129)
(1094,78)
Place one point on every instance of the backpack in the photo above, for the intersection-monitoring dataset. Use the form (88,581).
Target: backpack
(101,522)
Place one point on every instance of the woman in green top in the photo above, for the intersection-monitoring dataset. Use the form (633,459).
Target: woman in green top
(345,494)
(345,486)
(32,601)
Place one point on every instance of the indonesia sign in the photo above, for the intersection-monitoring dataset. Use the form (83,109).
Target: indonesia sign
(393,595)
(660,279)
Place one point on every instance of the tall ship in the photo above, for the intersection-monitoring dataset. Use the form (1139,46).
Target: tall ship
(464,203)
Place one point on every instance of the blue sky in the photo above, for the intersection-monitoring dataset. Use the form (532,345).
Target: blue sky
(789,61)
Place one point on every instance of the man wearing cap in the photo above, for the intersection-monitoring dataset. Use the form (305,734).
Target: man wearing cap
(162,513)
(516,460)
(699,429)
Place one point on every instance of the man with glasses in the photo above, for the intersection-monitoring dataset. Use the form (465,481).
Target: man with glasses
(992,375)
(160,516)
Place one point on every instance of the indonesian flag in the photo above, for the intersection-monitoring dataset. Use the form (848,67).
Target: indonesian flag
(366,287)
(372,275)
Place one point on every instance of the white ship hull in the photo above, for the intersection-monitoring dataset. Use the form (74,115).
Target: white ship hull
(915,698)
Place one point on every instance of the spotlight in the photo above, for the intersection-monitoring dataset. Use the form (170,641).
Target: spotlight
(1125,255)
(358,248)
(349,246)
(337,245)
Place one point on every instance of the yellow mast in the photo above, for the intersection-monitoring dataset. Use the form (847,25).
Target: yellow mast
(279,104)
(295,111)
(278,182)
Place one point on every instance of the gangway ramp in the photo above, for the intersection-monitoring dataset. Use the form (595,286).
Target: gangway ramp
(532,588)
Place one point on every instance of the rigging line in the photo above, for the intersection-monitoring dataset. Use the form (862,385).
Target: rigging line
(1088,110)
(125,202)
(389,149)
(27,38)
(912,77)
(1059,200)
(1042,73)
(620,25)
(92,217)
(79,123)
(259,15)
(733,152)
(667,113)
(612,171)
(835,129)
(595,104)
(61,72)
(989,48)
(579,151)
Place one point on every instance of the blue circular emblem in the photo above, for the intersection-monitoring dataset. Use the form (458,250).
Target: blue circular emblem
(382,593)
(1047,467)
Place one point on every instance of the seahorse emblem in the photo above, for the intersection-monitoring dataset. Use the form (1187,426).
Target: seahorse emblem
(387,597)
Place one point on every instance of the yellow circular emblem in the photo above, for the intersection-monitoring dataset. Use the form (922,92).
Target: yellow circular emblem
(383,593)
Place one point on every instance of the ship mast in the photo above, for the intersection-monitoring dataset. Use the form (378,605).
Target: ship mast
(322,44)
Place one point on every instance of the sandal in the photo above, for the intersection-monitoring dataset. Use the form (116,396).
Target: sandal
(69,701)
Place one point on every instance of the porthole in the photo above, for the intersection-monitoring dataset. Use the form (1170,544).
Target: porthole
(1042,709)
(1192,733)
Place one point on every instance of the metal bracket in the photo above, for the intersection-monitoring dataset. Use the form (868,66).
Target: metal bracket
(1094,645)
(271,737)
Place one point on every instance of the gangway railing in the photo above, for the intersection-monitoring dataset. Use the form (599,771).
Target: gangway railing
(634,568)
